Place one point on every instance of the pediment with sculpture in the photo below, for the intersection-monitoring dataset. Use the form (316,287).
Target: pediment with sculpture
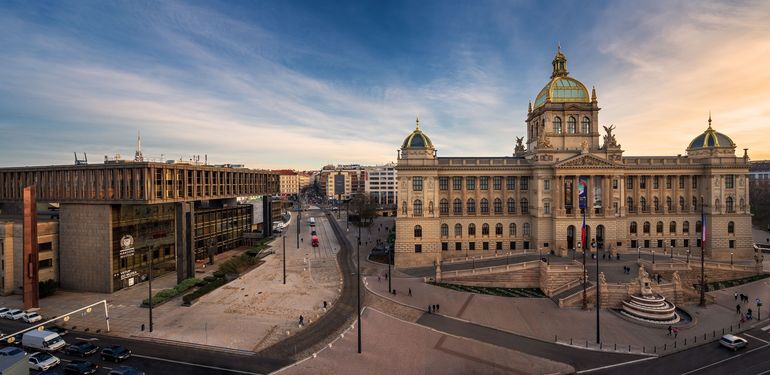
(588,160)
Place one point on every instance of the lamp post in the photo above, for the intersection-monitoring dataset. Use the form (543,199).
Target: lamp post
(731,258)
(390,258)
(150,251)
(688,256)
(653,256)
(358,275)
(284,258)
(595,245)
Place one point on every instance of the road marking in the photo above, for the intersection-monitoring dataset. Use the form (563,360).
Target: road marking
(756,338)
(616,365)
(765,328)
(724,360)
(194,364)
(85,339)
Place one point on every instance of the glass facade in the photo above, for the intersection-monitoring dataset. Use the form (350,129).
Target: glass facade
(220,229)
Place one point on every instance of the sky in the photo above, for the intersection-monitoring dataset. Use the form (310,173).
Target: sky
(302,84)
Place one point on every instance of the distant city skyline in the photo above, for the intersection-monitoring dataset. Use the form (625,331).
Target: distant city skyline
(300,85)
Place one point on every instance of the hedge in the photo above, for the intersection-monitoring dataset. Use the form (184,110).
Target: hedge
(237,264)
(167,294)
(47,288)
(200,292)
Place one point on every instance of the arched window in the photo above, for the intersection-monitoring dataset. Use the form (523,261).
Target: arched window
(458,230)
(484,206)
(643,204)
(557,125)
(526,229)
(457,206)
(646,227)
(585,126)
(731,227)
(729,204)
(659,227)
(499,229)
(681,204)
(444,230)
(471,206)
(443,207)
(743,204)
(694,203)
(485,229)
(669,204)
(512,229)
(471,229)
(511,206)
(630,204)
(571,125)
(498,206)
(672,227)
(632,227)
(686,227)
(716,204)
(417,207)
(656,204)
(417,231)
(403,208)
(524,206)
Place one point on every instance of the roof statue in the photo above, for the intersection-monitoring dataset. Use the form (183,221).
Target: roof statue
(609,139)
(519,146)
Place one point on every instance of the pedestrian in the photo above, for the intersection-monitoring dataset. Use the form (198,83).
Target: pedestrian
(438,307)
(301,320)
(378,278)
(386,276)
(394,291)
(302,240)
(676,332)
(617,256)
(669,330)
(325,304)
(430,307)
(738,308)
(736,296)
(410,292)
(604,256)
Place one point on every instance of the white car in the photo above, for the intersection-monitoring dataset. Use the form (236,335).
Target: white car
(3,310)
(32,317)
(733,342)
(42,361)
(14,314)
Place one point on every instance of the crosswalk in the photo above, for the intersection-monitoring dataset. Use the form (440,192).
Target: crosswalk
(765,329)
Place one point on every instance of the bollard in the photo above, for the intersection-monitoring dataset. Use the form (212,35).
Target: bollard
(555,338)
(629,348)
(644,349)
(600,346)
(616,347)
(704,337)
(739,325)
(570,340)
(714,334)
(685,341)
(655,349)
(665,347)
(695,340)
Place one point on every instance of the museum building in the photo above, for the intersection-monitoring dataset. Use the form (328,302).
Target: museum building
(468,206)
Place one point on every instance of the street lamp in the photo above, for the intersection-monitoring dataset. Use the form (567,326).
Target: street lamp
(688,256)
(150,253)
(731,258)
(653,256)
(284,258)
(639,252)
(358,275)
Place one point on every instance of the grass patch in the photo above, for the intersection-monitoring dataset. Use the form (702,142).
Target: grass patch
(237,264)
(187,299)
(495,291)
(167,294)
(716,285)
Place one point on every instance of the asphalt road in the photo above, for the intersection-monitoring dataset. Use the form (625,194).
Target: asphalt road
(578,358)
(710,358)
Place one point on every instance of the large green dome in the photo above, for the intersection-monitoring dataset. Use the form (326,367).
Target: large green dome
(417,139)
(562,88)
(710,139)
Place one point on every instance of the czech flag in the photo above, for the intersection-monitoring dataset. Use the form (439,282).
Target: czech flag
(703,228)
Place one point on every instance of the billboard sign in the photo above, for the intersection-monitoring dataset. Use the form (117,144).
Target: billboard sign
(583,191)
(339,184)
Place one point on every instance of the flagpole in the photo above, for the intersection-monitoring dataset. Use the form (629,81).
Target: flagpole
(702,258)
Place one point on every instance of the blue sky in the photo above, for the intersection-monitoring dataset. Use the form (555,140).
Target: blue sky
(290,84)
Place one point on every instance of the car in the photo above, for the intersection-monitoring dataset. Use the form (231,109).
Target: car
(13,314)
(80,367)
(31,317)
(3,310)
(125,370)
(81,348)
(16,339)
(733,342)
(56,329)
(115,353)
(42,361)
(11,351)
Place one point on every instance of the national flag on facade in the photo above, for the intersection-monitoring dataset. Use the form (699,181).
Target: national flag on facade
(583,232)
(703,228)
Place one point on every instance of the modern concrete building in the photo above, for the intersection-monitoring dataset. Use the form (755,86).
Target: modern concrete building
(759,172)
(11,247)
(113,217)
(381,184)
(289,182)
(459,206)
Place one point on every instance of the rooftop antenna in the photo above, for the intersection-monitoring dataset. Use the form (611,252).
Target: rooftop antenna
(138,155)
(83,161)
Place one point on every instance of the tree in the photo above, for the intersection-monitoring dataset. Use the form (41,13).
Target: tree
(363,206)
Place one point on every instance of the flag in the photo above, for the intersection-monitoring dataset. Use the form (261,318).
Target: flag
(583,232)
(703,228)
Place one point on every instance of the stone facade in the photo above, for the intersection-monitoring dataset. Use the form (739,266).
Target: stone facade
(530,200)
(85,235)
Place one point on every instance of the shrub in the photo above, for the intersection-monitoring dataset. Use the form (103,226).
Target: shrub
(208,279)
(219,274)
(167,294)
(200,292)
(47,288)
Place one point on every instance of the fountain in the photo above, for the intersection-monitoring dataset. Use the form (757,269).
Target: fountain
(649,307)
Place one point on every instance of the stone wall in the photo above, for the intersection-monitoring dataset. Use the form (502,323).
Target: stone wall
(533,274)
(85,242)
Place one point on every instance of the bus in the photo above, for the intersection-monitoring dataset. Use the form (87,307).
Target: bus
(315,241)
(312,221)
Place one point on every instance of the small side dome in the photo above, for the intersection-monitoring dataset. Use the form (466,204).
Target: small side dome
(417,139)
(711,139)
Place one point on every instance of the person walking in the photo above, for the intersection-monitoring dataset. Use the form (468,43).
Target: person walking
(438,307)
(676,332)
(429,308)
(738,308)
(736,296)
(670,329)
(410,292)
(301,320)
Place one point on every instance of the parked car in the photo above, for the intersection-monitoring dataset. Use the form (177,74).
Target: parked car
(80,367)
(42,340)
(56,329)
(31,317)
(16,339)
(3,310)
(11,351)
(115,353)
(733,342)
(13,314)
(81,348)
(125,370)
(42,361)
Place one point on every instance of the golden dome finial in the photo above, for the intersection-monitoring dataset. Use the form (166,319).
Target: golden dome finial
(559,63)
(709,119)
(418,121)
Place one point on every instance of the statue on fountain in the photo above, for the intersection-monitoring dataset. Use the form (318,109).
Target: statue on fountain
(644,282)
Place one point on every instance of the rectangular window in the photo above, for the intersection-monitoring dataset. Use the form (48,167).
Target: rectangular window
(686,243)
(547,208)
(444,246)
(513,245)
(633,244)
(646,244)
(485,246)
(656,182)
(526,245)
(498,245)
(443,183)
(694,182)
(629,183)
(643,182)
(457,183)
(45,263)
(673,244)
(417,183)
(470,183)
(668,182)
(732,244)
(484,183)
(615,183)
(497,183)
(510,183)
(547,185)
(471,246)
(681,182)
(417,248)
(524,184)
(458,246)
(729,181)
(615,208)
(698,242)
(660,243)
(45,246)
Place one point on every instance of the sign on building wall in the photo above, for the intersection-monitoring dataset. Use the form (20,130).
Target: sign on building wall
(598,192)
(339,184)
(583,191)
(126,246)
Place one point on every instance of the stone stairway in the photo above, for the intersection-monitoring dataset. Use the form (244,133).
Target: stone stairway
(569,292)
